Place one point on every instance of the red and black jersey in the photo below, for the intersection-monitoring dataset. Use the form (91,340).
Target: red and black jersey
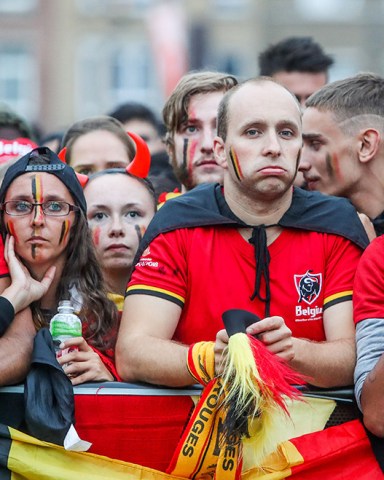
(198,259)
(207,272)
(369,283)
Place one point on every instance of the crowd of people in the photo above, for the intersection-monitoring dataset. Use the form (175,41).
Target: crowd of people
(278,210)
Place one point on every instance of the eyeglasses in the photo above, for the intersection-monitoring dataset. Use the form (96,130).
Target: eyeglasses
(18,208)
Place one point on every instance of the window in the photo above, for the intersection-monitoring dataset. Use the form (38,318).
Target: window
(230,8)
(18,80)
(112,72)
(347,62)
(330,10)
(17,6)
(114,8)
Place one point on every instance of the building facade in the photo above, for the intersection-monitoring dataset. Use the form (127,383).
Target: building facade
(62,60)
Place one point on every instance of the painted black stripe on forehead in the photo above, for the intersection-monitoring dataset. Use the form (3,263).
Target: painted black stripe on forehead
(34,189)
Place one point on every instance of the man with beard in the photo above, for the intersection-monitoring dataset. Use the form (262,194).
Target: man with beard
(190,117)
(255,244)
(343,153)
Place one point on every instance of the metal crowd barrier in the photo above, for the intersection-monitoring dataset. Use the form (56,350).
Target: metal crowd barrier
(12,398)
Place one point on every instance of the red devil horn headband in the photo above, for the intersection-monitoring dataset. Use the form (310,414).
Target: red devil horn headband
(62,154)
(139,166)
(83,179)
(141,163)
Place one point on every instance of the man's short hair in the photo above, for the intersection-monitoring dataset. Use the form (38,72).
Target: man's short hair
(175,112)
(135,111)
(355,97)
(10,119)
(294,54)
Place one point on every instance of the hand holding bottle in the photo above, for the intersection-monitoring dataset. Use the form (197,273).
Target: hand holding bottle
(81,363)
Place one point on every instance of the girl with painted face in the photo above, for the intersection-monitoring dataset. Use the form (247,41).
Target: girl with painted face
(43,208)
(120,207)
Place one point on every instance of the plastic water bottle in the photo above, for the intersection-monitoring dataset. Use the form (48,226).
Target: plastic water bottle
(64,325)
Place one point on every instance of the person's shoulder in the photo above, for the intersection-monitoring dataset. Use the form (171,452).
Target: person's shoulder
(186,205)
(196,196)
(375,249)
(371,265)
(320,200)
(166,196)
(325,214)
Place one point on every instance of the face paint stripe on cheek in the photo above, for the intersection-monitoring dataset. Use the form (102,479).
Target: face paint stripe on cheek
(96,236)
(185,153)
(64,231)
(235,164)
(11,230)
(138,231)
(336,168)
(328,164)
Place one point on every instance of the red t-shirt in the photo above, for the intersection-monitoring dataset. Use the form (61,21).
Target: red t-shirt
(4,271)
(368,299)
(209,270)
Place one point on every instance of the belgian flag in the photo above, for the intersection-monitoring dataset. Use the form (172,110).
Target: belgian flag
(27,458)
(336,453)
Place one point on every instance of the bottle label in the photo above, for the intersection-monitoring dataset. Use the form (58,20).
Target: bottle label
(64,329)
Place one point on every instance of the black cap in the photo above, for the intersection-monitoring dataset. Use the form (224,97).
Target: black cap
(56,167)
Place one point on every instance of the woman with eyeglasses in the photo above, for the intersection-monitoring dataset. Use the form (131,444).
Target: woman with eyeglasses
(43,208)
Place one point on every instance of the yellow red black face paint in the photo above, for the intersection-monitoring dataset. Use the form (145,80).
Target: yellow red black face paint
(34,247)
(11,230)
(37,194)
(37,189)
(235,164)
(64,231)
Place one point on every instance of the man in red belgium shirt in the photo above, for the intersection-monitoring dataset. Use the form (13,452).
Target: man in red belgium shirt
(258,244)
